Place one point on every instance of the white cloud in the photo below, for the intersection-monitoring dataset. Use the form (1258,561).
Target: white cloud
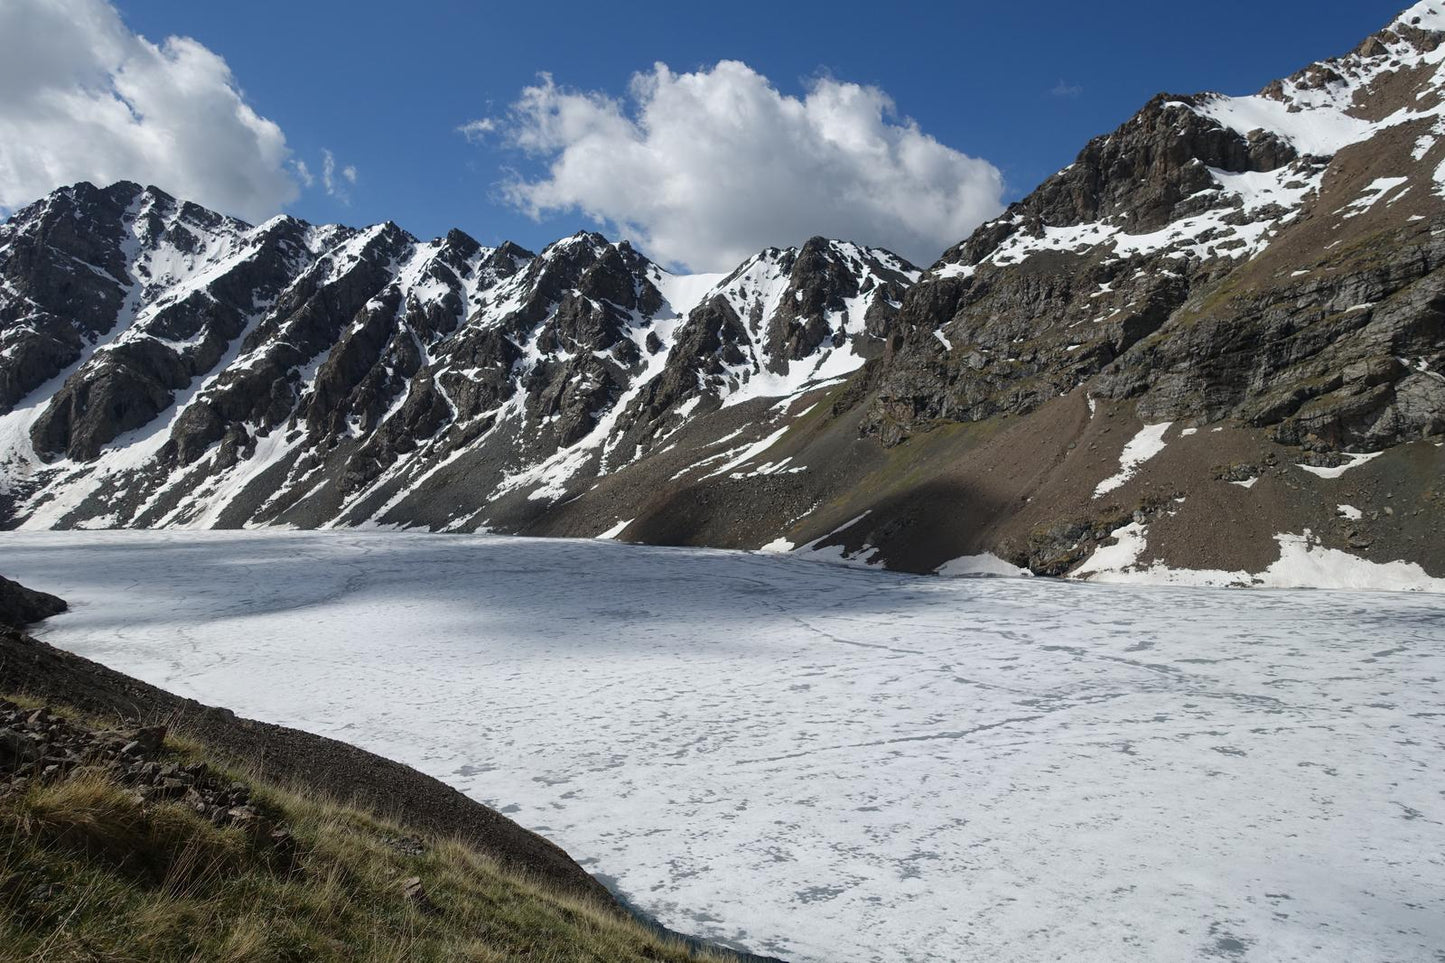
(476,130)
(706,168)
(1065,89)
(84,98)
(331,178)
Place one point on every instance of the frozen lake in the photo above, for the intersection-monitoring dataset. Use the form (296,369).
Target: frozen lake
(822,763)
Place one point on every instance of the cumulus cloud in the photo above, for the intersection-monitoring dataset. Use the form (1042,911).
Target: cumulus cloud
(706,168)
(1066,90)
(84,98)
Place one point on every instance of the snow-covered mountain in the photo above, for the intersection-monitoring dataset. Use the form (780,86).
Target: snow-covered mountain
(1213,345)
(164,365)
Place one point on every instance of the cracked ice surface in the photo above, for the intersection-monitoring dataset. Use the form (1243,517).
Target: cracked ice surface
(823,763)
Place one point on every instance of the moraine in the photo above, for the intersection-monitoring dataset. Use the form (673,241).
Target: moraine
(823,763)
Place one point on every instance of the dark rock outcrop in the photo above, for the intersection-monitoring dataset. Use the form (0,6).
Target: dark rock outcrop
(20,606)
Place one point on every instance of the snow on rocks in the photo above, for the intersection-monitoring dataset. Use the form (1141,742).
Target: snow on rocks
(1313,113)
(759,289)
(480,347)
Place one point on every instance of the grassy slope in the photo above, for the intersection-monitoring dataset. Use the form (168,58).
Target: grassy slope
(88,872)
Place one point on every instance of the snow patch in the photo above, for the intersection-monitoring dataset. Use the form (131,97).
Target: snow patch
(749,452)
(1355,460)
(685,291)
(1303,563)
(986,564)
(1142,447)
(616,530)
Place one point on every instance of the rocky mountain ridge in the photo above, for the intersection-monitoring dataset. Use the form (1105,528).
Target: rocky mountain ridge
(216,373)
(1211,345)
(1178,233)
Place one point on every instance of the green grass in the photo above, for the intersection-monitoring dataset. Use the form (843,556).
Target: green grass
(88,873)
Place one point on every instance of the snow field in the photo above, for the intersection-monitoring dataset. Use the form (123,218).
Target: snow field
(823,763)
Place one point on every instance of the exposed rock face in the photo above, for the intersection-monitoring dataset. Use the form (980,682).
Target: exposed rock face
(1251,285)
(65,283)
(1204,266)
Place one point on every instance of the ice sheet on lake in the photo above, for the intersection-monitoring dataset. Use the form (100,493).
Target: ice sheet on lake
(823,763)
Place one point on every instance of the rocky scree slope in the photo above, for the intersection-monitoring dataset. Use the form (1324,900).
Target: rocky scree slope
(1212,344)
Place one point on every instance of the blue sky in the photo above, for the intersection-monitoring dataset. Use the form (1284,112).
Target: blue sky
(384,87)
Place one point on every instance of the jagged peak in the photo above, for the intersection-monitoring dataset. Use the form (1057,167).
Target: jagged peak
(281,220)
(155,194)
(817,243)
(589,239)
(121,194)
(390,228)
(513,250)
(778,261)
(459,240)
